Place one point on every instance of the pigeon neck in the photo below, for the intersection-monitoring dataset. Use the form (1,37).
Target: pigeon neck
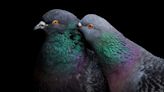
(61,52)
(118,58)
(116,50)
(54,36)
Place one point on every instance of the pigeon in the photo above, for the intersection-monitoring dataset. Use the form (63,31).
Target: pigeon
(64,64)
(127,66)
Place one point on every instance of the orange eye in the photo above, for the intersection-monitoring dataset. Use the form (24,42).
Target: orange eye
(90,26)
(55,22)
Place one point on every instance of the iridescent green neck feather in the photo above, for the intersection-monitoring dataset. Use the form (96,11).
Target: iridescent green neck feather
(114,50)
(61,50)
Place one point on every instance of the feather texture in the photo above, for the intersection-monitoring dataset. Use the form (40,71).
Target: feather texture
(64,65)
(127,66)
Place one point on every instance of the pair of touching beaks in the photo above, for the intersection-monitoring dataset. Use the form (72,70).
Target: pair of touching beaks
(42,25)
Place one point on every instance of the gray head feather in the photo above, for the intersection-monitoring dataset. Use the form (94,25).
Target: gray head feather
(65,17)
(66,21)
(100,26)
(98,22)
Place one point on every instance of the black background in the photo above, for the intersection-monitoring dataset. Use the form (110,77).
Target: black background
(142,22)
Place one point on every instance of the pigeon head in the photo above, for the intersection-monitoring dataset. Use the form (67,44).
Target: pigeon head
(93,27)
(57,20)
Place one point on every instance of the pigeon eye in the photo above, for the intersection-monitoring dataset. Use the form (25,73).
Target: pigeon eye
(90,26)
(55,22)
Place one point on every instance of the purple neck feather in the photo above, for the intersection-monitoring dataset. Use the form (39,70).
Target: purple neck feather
(119,74)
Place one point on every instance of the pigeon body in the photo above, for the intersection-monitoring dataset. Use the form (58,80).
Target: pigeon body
(127,66)
(64,65)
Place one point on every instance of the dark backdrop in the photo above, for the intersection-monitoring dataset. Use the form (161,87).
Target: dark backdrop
(142,22)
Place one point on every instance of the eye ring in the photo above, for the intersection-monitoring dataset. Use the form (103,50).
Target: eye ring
(90,26)
(55,22)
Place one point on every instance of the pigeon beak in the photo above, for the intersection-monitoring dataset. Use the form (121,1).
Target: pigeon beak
(79,25)
(41,25)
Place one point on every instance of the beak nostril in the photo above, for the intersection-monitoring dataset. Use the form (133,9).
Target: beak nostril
(41,25)
(79,25)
